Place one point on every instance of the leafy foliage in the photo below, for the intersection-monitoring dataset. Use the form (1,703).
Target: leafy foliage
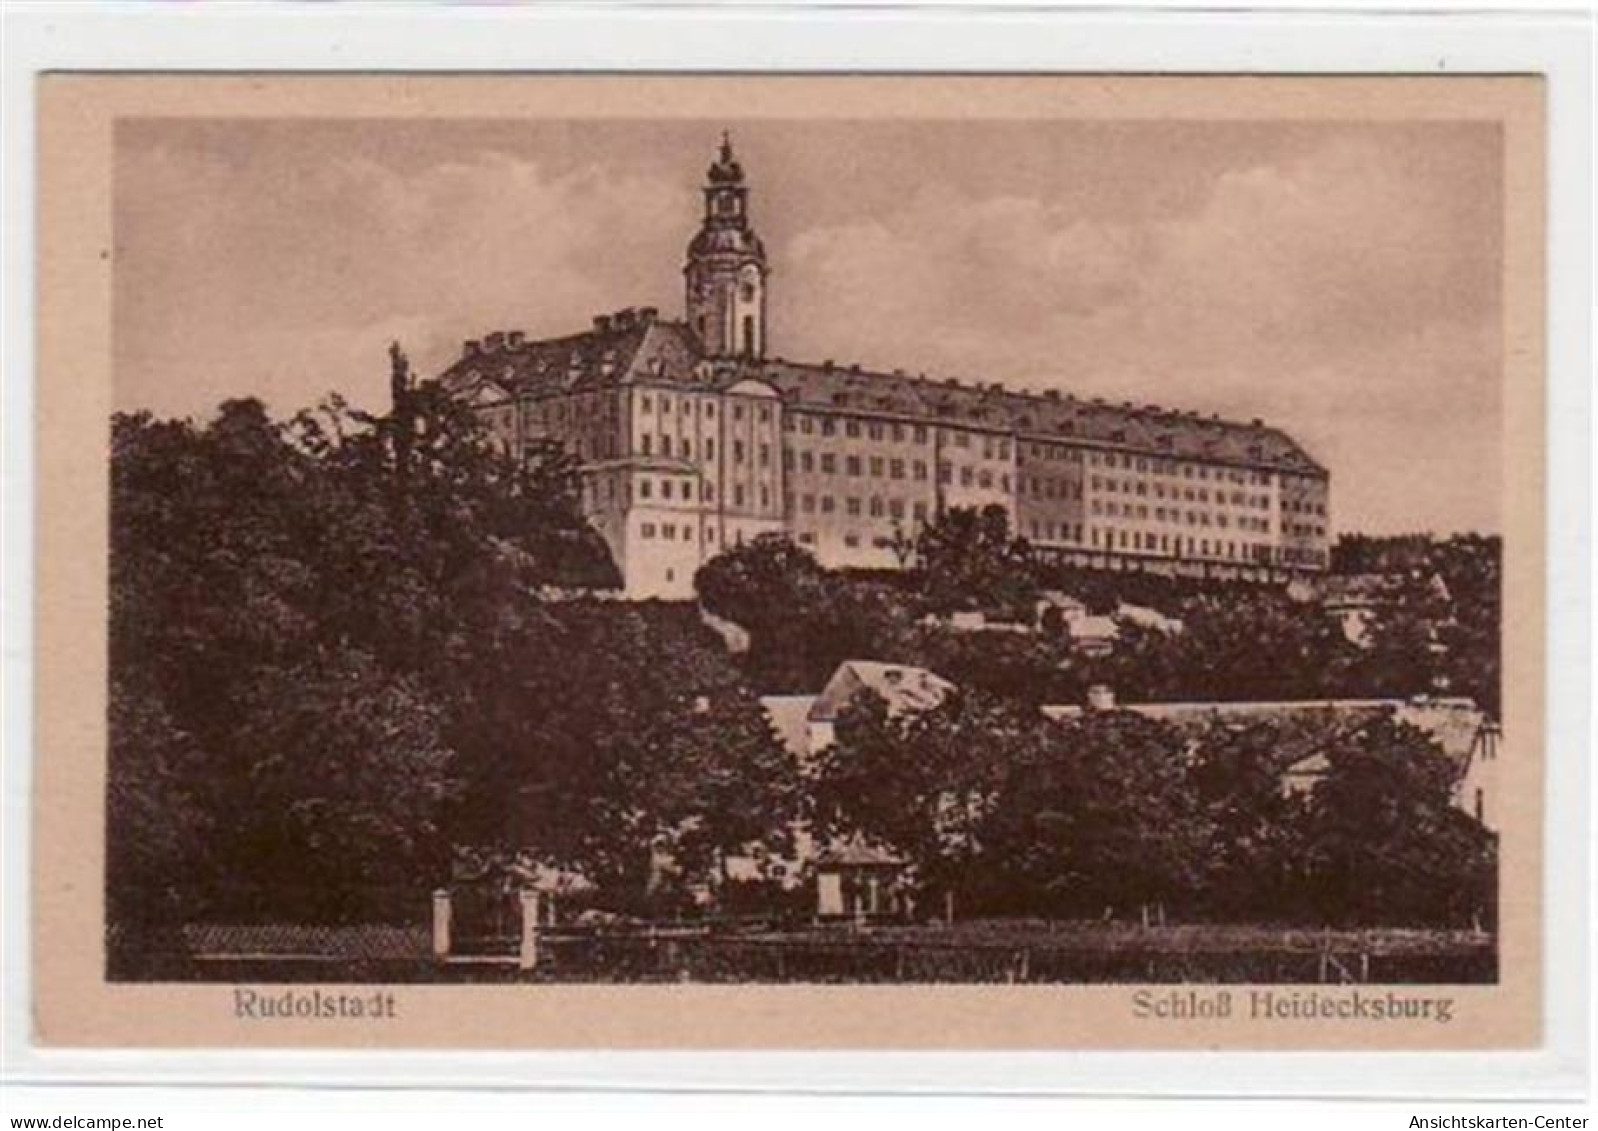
(1111,812)
(1239,641)
(1381,835)
(804,622)
(333,657)
(967,559)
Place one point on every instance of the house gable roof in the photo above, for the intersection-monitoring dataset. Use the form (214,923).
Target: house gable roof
(902,687)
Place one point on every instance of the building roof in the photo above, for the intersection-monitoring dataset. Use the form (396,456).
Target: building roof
(1091,627)
(624,348)
(1305,728)
(1046,417)
(900,686)
(636,346)
(856,853)
(789,716)
(1362,590)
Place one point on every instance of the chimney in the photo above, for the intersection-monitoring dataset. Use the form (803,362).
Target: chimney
(601,323)
(648,313)
(515,339)
(1101,697)
(1051,394)
(471,347)
(494,341)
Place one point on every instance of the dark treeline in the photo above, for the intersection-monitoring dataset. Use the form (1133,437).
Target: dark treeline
(330,663)
(333,662)
(1113,814)
(1239,641)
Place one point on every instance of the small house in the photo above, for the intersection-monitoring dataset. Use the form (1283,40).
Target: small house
(860,881)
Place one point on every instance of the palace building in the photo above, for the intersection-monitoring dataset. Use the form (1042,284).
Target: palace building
(692,437)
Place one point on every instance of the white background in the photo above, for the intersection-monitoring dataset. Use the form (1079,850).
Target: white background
(85,35)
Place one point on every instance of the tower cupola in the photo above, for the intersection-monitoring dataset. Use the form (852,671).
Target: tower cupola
(725,275)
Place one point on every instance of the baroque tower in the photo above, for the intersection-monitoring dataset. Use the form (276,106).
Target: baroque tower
(725,275)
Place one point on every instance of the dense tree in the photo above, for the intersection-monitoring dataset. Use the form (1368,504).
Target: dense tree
(298,614)
(1018,815)
(640,740)
(1255,847)
(157,829)
(924,783)
(803,620)
(1105,820)
(348,777)
(1258,645)
(1429,641)
(967,559)
(343,644)
(1383,842)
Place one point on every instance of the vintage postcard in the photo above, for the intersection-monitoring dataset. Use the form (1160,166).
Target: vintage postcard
(1028,562)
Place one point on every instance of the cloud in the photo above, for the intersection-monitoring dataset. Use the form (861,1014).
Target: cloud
(295,278)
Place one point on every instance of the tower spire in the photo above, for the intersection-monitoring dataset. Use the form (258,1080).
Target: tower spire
(726,271)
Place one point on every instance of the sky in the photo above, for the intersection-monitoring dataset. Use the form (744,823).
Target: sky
(1341,280)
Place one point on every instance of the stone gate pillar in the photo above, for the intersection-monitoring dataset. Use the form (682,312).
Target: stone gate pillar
(527,957)
(441,923)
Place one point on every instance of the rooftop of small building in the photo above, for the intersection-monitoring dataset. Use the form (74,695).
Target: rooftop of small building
(902,687)
(1310,725)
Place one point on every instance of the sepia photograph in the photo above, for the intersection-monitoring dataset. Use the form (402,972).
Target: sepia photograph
(782,554)
(813,533)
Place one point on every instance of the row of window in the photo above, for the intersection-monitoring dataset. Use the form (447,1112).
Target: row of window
(1133,540)
(807,424)
(1200,494)
(828,463)
(649,445)
(1303,529)
(875,506)
(1143,511)
(878,466)
(685,404)
(1171,467)
(1051,452)
(1064,532)
(1148,541)
(672,532)
(1299,506)
(572,410)
(1052,489)
(597,409)
(668,489)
